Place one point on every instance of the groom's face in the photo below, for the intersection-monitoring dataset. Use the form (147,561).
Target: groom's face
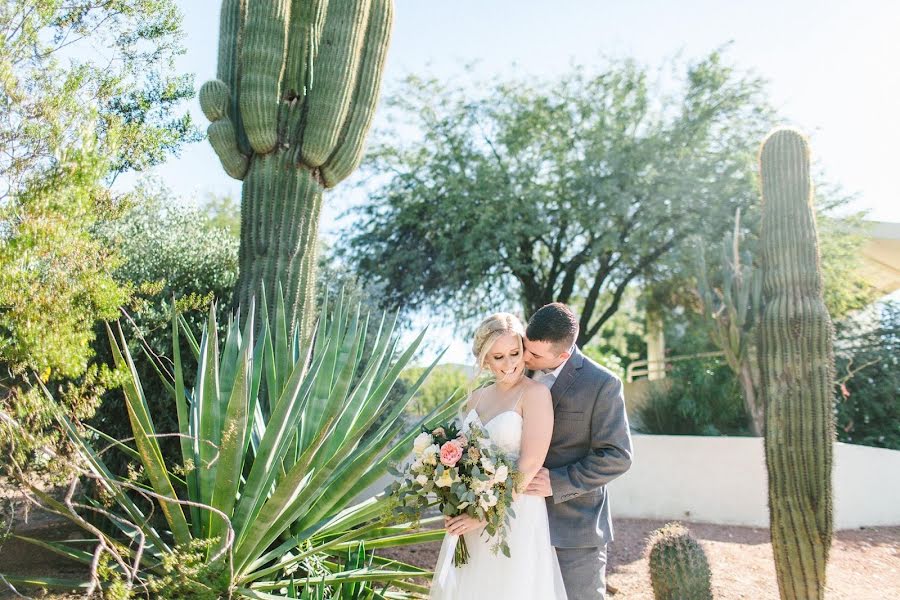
(543,355)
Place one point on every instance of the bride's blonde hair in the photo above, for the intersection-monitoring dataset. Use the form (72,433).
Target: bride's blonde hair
(492,329)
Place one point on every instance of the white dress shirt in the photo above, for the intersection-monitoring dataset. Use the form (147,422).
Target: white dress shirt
(549,377)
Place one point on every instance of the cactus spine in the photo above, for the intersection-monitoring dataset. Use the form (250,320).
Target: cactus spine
(296,89)
(797,369)
(678,566)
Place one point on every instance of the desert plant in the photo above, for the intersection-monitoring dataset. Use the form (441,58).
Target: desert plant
(797,370)
(699,397)
(733,308)
(298,81)
(679,569)
(867,357)
(256,502)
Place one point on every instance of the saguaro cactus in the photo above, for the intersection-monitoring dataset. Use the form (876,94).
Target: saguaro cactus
(678,566)
(797,369)
(294,98)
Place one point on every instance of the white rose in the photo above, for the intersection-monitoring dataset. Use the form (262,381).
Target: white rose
(421,479)
(487,501)
(430,454)
(422,441)
(501,474)
(487,464)
(416,465)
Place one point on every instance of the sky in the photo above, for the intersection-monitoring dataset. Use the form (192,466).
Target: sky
(831,66)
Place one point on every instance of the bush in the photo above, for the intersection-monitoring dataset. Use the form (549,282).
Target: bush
(169,254)
(867,359)
(703,398)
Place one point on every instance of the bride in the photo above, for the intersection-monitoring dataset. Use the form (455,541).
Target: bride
(517,413)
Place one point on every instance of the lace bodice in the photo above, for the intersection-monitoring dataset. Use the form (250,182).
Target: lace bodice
(505,430)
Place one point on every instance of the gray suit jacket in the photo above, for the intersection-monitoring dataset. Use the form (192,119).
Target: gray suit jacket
(591,446)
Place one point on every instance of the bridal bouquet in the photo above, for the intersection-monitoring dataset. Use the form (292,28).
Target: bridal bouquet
(466,474)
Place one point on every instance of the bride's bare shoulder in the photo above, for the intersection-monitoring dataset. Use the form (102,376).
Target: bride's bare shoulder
(474,396)
(534,389)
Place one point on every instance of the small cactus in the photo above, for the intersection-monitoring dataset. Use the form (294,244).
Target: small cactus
(797,371)
(295,94)
(678,566)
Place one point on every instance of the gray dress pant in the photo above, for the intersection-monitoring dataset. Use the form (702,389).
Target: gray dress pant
(584,572)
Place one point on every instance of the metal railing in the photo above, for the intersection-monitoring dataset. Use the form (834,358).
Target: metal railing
(641,368)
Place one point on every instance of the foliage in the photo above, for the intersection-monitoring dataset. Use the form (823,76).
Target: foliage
(444,381)
(67,65)
(86,92)
(185,574)
(171,256)
(698,397)
(733,310)
(567,189)
(54,280)
(728,290)
(55,283)
(867,351)
(265,485)
(844,288)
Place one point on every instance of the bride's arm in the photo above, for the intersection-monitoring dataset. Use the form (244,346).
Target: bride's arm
(537,429)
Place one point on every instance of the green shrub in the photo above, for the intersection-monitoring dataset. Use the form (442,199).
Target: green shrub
(702,398)
(867,358)
(169,253)
(266,479)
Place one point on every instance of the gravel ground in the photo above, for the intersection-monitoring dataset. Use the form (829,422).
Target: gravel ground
(864,563)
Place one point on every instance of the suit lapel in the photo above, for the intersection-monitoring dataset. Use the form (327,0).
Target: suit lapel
(567,377)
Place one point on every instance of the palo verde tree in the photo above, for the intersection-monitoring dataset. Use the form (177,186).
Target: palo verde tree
(569,189)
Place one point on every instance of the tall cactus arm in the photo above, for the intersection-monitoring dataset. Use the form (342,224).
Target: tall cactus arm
(262,65)
(335,74)
(349,150)
(215,98)
(231,28)
(797,367)
(223,138)
(304,33)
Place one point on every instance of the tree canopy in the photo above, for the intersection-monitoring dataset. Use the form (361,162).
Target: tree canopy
(107,61)
(568,189)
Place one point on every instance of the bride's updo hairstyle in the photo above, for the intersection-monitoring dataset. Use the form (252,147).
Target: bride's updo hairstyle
(492,329)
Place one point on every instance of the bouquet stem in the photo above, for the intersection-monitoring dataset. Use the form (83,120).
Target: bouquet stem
(461,553)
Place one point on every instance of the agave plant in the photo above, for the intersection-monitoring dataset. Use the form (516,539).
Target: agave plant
(263,502)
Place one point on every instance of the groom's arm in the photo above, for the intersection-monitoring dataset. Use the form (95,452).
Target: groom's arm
(611,451)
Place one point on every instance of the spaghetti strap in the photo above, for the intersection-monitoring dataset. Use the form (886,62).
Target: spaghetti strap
(477,402)
(522,393)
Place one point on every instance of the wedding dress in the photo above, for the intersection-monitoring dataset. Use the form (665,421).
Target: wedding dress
(532,570)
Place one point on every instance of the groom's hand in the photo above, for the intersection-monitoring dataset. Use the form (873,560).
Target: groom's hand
(540,484)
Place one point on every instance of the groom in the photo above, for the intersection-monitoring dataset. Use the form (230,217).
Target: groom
(591,446)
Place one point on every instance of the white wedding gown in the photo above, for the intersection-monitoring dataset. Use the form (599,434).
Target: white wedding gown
(532,570)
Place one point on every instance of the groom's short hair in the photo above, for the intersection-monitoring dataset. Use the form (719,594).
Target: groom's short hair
(554,323)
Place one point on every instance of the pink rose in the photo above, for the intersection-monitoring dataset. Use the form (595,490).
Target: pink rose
(450,453)
(462,440)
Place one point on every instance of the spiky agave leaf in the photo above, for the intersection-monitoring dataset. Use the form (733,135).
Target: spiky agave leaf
(274,489)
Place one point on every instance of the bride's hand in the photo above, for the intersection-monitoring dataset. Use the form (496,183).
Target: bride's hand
(461,524)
